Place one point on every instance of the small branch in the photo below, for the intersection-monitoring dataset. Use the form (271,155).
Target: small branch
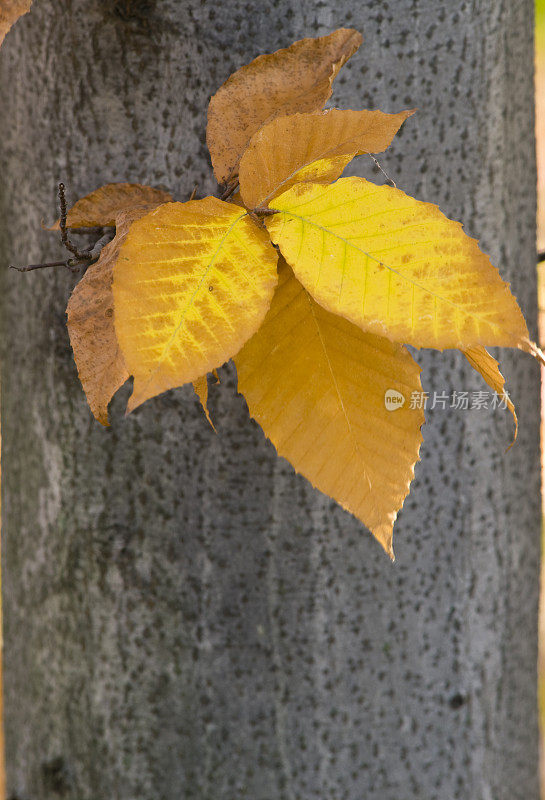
(229,191)
(64,235)
(94,252)
(30,267)
(265,212)
(72,264)
(383,171)
(257,215)
(194,192)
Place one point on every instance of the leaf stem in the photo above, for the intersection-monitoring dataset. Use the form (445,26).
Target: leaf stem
(265,212)
(229,190)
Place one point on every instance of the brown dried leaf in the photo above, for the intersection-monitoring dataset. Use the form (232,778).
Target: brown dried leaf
(313,147)
(10,11)
(297,78)
(100,363)
(102,207)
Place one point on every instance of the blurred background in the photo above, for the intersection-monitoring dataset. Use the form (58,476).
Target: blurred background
(540,135)
(540,146)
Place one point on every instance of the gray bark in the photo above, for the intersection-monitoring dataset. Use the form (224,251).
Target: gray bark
(184,616)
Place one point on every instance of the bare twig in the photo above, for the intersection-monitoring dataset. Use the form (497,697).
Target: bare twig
(30,267)
(82,258)
(265,212)
(229,190)
(64,235)
(383,171)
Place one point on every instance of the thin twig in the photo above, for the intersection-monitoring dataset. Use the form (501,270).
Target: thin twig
(383,171)
(81,256)
(30,267)
(229,190)
(265,212)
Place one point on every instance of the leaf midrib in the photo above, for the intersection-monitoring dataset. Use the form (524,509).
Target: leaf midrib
(189,304)
(338,393)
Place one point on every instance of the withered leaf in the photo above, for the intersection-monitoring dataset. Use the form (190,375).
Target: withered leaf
(101,207)
(312,147)
(90,311)
(297,78)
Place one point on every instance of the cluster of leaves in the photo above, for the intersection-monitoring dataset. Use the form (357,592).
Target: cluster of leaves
(313,283)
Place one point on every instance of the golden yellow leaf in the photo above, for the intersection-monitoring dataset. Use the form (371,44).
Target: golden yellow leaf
(101,207)
(10,11)
(313,147)
(318,386)
(192,283)
(297,78)
(200,387)
(481,360)
(90,311)
(394,266)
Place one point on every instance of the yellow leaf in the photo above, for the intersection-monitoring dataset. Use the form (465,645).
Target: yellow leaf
(10,11)
(394,266)
(297,78)
(481,360)
(311,147)
(200,387)
(101,207)
(90,311)
(192,283)
(318,386)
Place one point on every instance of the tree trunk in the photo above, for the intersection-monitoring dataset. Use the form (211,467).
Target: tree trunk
(184,616)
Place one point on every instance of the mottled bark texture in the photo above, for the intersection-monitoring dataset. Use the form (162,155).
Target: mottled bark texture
(185,617)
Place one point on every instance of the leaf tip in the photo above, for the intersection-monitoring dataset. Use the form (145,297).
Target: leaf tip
(200,387)
(511,408)
(134,401)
